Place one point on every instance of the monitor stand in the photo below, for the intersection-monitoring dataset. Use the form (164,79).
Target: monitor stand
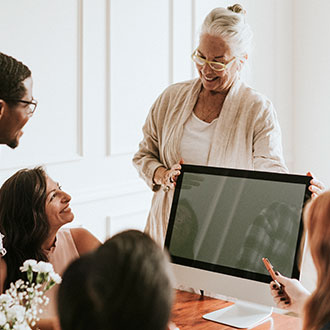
(240,315)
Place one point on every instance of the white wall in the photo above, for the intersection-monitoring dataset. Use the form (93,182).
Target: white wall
(98,66)
(311,63)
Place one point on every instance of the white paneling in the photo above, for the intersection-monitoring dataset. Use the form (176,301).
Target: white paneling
(311,63)
(94,78)
(182,40)
(46,36)
(283,82)
(139,66)
(126,221)
(121,55)
(109,209)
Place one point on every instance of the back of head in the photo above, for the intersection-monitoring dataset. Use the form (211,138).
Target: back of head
(229,24)
(22,218)
(124,285)
(317,218)
(12,75)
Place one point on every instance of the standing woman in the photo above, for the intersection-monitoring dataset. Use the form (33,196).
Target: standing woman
(33,208)
(214,120)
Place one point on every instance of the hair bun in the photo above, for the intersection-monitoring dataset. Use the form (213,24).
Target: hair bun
(237,8)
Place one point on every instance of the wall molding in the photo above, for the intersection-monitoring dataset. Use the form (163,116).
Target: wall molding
(109,191)
(107,78)
(80,36)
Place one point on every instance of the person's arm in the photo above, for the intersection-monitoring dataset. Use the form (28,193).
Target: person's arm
(84,240)
(3,274)
(147,160)
(48,324)
(267,141)
(292,296)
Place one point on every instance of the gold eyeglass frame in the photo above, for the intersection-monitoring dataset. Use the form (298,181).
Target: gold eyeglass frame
(202,60)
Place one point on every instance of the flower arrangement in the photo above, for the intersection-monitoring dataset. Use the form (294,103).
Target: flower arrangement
(21,304)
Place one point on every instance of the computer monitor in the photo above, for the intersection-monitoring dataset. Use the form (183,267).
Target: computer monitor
(224,221)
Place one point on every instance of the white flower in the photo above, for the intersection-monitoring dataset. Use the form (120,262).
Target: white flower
(20,305)
(22,326)
(5,299)
(55,277)
(16,312)
(43,267)
(28,263)
(3,319)
(19,283)
(2,249)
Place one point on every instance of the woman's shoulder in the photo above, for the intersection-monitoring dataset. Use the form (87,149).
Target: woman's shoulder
(182,87)
(84,240)
(254,97)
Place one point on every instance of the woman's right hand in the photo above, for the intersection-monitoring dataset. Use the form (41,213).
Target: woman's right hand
(291,296)
(167,177)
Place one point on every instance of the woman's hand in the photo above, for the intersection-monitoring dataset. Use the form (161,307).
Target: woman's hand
(291,296)
(167,178)
(316,187)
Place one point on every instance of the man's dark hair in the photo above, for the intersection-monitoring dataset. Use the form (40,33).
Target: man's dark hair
(12,75)
(124,285)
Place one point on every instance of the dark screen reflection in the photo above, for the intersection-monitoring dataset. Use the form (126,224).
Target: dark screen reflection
(234,222)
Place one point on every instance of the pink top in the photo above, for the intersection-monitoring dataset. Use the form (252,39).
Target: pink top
(60,256)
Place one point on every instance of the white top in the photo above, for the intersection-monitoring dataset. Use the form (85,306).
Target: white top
(196,140)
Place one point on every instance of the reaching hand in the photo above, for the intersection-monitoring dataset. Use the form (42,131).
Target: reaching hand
(316,187)
(167,177)
(291,296)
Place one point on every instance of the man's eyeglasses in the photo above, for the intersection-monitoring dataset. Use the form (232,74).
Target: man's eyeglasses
(32,105)
(216,66)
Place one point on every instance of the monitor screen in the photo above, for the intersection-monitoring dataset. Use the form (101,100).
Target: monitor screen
(226,220)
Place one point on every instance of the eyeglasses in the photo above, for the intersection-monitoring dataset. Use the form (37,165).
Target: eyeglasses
(216,66)
(32,105)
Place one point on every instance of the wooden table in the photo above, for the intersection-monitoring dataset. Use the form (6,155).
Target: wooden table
(189,308)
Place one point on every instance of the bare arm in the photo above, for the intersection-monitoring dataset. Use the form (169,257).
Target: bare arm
(84,240)
(3,274)
(48,324)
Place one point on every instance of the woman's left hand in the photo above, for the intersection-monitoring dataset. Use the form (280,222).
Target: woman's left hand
(316,187)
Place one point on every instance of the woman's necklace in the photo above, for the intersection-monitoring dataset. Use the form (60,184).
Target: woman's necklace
(208,107)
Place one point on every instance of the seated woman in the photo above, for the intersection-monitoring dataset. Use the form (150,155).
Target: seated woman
(33,208)
(125,284)
(314,307)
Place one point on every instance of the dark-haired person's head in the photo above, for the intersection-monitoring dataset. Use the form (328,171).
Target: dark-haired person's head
(16,102)
(124,285)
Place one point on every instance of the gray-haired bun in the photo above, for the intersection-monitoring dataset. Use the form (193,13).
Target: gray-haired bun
(237,8)
(229,24)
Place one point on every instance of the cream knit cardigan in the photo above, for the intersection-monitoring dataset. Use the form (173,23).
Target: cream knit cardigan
(247,136)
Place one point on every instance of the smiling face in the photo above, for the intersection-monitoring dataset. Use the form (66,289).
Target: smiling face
(215,49)
(57,206)
(14,117)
